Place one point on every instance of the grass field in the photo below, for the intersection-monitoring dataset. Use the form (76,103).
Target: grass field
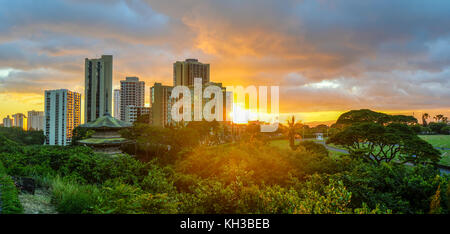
(442,141)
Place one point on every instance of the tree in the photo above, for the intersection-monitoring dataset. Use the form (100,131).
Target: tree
(377,143)
(425,116)
(369,116)
(292,130)
(80,133)
(445,130)
(437,127)
(438,117)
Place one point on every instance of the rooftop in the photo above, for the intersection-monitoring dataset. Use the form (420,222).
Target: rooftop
(105,122)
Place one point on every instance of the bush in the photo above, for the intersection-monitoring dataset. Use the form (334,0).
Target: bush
(403,189)
(445,130)
(437,128)
(119,198)
(73,198)
(9,202)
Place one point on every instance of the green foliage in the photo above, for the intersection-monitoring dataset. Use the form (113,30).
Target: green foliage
(399,188)
(23,137)
(119,198)
(80,133)
(368,116)
(377,143)
(73,198)
(438,128)
(9,201)
(179,173)
(445,130)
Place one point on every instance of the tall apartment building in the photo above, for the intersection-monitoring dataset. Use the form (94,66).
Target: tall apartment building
(35,120)
(20,120)
(8,122)
(132,93)
(98,87)
(62,115)
(160,105)
(117,103)
(184,72)
(132,113)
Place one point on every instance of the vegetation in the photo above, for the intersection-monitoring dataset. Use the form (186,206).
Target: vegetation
(9,200)
(200,168)
(377,143)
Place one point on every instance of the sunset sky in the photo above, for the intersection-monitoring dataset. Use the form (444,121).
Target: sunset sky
(327,56)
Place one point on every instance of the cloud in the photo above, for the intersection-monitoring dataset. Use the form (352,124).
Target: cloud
(325,55)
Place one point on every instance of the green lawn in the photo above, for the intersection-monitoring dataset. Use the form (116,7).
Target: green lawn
(437,140)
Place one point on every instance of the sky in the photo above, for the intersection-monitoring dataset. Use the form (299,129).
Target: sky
(327,56)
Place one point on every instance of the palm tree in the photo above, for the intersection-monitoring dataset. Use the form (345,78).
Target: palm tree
(425,116)
(292,129)
(438,117)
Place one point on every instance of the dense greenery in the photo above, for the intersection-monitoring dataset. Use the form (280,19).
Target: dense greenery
(199,168)
(378,143)
(18,135)
(368,116)
(9,201)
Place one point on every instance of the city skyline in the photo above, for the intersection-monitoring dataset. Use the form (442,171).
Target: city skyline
(350,56)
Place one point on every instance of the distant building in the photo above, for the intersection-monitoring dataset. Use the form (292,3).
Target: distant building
(132,93)
(98,87)
(62,115)
(8,122)
(20,120)
(184,72)
(132,113)
(160,106)
(36,120)
(117,103)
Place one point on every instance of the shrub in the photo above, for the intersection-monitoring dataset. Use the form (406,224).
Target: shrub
(73,198)
(9,201)
(120,198)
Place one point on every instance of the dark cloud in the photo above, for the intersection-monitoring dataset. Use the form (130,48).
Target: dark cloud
(326,55)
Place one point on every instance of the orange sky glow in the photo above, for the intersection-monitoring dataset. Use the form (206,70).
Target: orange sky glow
(327,57)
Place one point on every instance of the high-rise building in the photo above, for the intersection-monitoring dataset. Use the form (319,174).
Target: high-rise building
(132,113)
(35,120)
(62,115)
(8,122)
(117,103)
(98,87)
(160,105)
(184,72)
(20,120)
(225,97)
(132,93)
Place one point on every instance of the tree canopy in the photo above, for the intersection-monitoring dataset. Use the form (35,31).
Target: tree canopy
(378,143)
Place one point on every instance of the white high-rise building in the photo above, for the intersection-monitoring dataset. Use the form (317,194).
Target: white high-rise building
(117,103)
(36,120)
(132,93)
(62,115)
(8,122)
(98,87)
(20,120)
